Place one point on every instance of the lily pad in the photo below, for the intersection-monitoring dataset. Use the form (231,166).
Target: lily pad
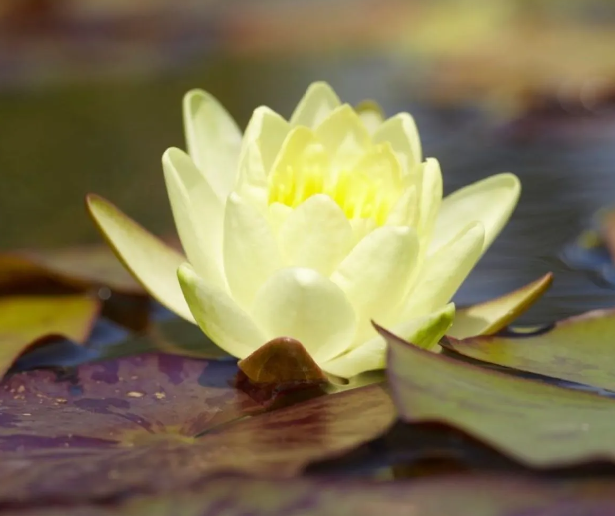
(536,424)
(580,349)
(493,315)
(26,321)
(478,495)
(155,423)
(76,267)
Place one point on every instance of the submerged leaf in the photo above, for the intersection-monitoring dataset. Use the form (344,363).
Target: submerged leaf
(27,320)
(453,495)
(493,315)
(580,349)
(155,423)
(536,424)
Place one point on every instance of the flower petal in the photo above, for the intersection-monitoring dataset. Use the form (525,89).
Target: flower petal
(304,305)
(424,332)
(268,130)
(493,315)
(220,318)
(376,274)
(401,132)
(371,115)
(151,262)
(490,201)
(404,211)
(430,198)
(198,214)
(213,140)
(251,252)
(444,272)
(344,136)
(299,166)
(316,235)
(318,101)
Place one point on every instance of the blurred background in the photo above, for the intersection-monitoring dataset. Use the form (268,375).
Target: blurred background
(90,95)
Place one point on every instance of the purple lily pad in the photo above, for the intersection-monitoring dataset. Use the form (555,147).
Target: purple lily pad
(156,423)
(453,495)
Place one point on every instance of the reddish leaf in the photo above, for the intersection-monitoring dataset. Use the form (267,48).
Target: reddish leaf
(26,321)
(156,423)
(280,365)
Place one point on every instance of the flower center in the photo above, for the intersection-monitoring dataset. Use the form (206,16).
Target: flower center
(363,191)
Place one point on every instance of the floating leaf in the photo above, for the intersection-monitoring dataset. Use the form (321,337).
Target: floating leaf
(452,495)
(24,321)
(580,349)
(536,424)
(492,316)
(159,422)
(77,267)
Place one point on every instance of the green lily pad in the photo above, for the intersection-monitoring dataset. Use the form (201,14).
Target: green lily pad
(580,349)
(156,423)
(536,424)
(28,320)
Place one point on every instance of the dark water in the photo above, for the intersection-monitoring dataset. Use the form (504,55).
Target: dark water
(58,142)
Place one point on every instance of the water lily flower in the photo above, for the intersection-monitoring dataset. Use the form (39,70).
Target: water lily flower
(311,228)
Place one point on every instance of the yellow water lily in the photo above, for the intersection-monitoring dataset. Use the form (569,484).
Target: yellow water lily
(311,228)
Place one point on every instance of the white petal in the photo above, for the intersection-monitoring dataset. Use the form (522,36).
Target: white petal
(316,104)
(252,180)
(220,318)
(430,198)
(213,140)
(198,215)
(424,332)
(444,272)
(150,260)
(316,235)
(371,115)
(405,210)
(344,136)
(490,201)
(400,130)
(277,215)
(268,130)
(302,304)
(251,252)
(376,274)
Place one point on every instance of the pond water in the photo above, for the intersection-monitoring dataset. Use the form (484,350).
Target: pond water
(60,141)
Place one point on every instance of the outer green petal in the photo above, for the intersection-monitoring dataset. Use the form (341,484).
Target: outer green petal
(493,315)
(219,316)
(318,101)
(490,201)
(150,261)
(424,332)
(213,140)
(304,305)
